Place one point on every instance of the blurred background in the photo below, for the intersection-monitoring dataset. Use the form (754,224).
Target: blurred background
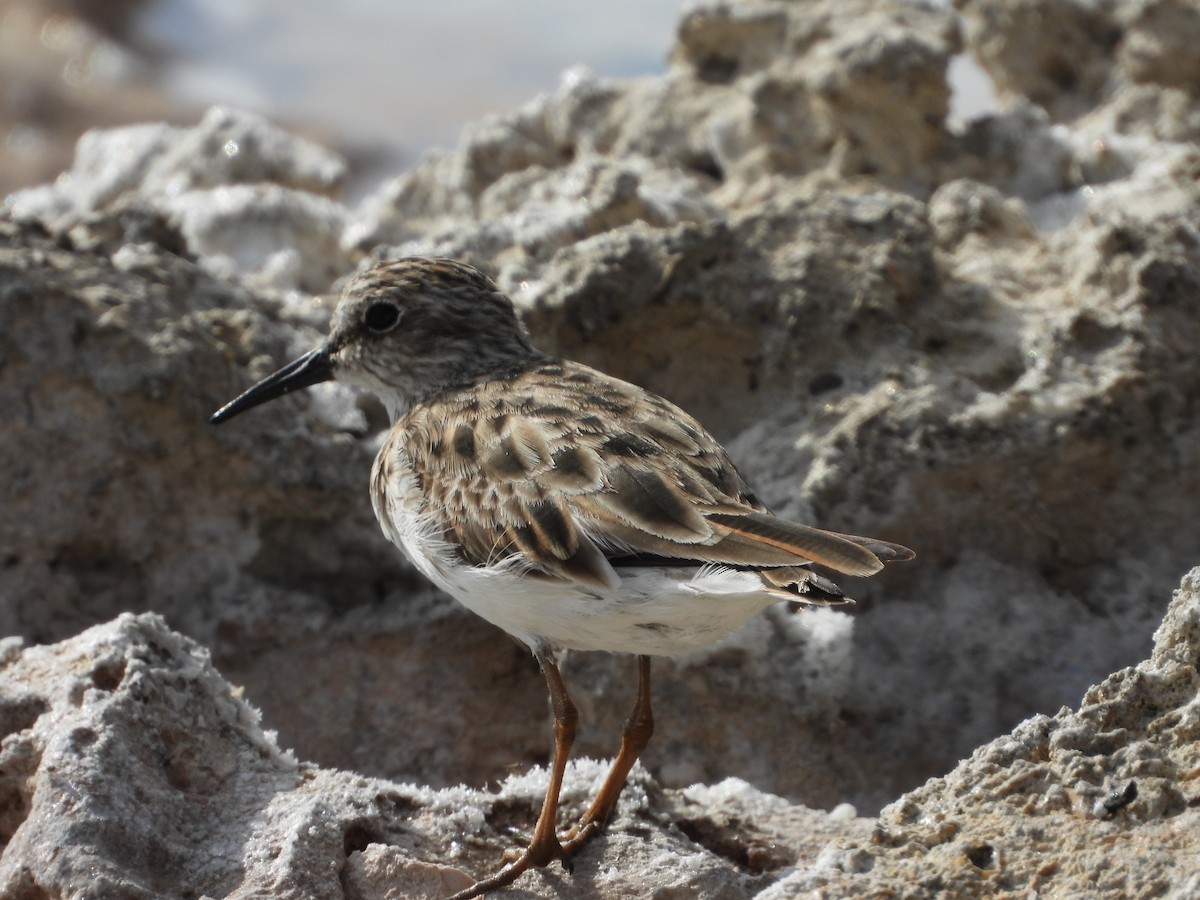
(378,80)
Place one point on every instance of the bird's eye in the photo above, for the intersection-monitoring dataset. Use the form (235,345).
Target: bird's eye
(381,317)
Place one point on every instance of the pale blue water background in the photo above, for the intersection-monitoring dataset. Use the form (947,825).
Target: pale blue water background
(405,74)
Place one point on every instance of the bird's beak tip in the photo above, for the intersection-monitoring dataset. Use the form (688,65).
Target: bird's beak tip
(311,368)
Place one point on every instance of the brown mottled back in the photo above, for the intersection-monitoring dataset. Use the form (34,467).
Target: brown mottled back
(569,468)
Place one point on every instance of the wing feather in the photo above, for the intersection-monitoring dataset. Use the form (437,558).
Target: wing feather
(644,499)
(563,467)
(825,548)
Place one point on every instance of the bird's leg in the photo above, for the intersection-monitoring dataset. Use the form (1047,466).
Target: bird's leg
(545,846)
(634,738)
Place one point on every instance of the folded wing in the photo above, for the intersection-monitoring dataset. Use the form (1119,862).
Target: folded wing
(590,472)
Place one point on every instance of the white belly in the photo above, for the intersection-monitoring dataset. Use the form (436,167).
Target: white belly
(655,611)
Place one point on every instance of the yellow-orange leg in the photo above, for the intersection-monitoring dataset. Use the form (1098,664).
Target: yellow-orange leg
(545,846)
(634,738)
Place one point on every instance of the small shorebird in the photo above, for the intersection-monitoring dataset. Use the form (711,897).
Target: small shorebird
(573,510)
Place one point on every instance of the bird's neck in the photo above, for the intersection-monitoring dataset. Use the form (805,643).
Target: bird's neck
(479,370)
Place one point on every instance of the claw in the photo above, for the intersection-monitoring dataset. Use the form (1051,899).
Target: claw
(535,856)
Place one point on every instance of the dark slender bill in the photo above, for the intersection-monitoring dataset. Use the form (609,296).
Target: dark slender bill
(311,368)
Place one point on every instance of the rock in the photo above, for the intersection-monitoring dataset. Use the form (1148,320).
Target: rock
(242,192)
(124,748)
(977,340)
(1065,804)
(1059,55)
(1096,802)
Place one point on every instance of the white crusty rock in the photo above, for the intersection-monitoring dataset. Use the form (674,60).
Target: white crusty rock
(131,768)
(1098,801)
(248,197)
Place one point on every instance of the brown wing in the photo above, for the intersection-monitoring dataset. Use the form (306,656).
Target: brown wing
(569,468)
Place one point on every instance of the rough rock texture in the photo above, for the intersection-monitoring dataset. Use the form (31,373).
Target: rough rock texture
(976,340)
(1098,802)
(172,789)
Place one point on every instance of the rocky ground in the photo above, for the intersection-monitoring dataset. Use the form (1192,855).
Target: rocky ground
(976,338)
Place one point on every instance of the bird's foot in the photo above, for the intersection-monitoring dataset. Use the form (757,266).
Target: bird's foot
(539,853)
(587,828)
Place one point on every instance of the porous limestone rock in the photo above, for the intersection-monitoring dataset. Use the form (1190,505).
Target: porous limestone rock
(247,197)
(129,768)
(1098,801)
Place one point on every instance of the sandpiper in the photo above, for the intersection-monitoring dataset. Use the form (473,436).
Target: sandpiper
(573,510)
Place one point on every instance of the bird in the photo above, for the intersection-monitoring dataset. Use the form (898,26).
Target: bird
(573,510)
